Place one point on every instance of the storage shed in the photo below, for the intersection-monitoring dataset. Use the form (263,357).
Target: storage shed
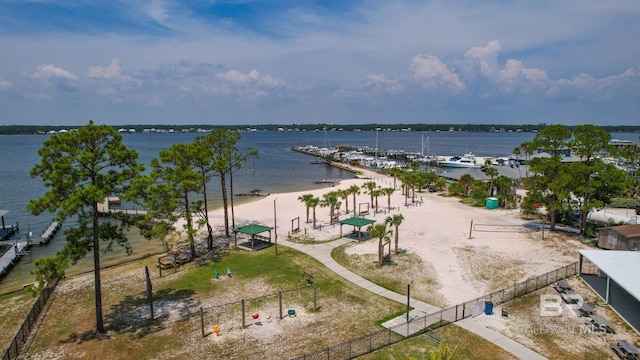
(623,237)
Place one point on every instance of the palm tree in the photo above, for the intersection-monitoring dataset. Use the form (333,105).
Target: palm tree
(491,172)
(380,231)
(376,193)
(395,220)
(388,191)
(354,190)
(331,201)
(369,187)
(305,199)
(313,203)
(344,194)
(395,172)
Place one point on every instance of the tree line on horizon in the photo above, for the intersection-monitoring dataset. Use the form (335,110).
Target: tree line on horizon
(44,129)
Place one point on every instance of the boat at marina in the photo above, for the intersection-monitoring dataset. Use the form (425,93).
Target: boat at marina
(467,160)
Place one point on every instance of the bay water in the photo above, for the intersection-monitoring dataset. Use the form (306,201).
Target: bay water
(277,169)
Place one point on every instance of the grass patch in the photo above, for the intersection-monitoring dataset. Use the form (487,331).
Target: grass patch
(345,310)
(13,309)
(469,346)
(395,275)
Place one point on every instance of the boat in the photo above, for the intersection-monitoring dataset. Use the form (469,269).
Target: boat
(467,160)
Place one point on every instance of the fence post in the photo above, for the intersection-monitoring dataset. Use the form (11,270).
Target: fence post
(242,305)
(315,303)
(202,320)
(280,304)
(456,313)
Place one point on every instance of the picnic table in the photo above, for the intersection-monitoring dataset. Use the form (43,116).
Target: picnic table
(571,298)
(601,323)
(625,350)
(586,310)
(562,287)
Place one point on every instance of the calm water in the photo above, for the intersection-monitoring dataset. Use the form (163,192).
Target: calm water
(278,169)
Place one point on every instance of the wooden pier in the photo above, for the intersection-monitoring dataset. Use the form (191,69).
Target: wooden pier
(50,232)
(18,249)
(104,208)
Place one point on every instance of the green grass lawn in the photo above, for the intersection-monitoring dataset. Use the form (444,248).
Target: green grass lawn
(344,310)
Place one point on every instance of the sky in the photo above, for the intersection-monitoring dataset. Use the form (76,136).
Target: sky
(335,61)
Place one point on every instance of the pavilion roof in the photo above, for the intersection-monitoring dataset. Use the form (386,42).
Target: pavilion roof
(252,229)
(357,221)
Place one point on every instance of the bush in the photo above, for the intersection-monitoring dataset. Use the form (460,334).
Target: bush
(625,203)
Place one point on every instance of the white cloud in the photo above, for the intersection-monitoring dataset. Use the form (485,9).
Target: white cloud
(47,71)
(4,84)
(515,76)
(113,71)
(487,55)
(432,73)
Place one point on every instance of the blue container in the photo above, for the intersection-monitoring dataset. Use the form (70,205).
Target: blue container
(492,203)
(488,308)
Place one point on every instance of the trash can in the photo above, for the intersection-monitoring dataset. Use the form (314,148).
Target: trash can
(492,203)
(488,308)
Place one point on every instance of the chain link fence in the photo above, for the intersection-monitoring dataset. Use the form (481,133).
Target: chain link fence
(29,323)
(427,323)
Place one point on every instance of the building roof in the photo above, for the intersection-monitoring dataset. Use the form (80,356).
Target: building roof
(356,221)
(479,174)
(252,229)
(621,266)
(628,231)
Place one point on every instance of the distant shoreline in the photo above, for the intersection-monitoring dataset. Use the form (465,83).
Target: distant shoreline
(195,128)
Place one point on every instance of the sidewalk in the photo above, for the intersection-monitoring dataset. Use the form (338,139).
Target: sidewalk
(322,252)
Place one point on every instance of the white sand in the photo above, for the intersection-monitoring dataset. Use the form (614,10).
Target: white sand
(437,230)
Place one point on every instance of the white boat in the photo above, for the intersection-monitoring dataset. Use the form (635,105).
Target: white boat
(467,160)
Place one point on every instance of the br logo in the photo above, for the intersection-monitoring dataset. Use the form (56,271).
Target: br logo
(553,305)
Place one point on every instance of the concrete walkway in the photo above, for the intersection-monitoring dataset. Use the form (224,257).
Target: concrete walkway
(322,252)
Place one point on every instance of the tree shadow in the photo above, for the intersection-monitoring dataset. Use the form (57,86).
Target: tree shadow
(132,315)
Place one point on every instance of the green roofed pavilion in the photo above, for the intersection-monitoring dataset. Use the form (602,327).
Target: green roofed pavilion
(356,222)
(253,230)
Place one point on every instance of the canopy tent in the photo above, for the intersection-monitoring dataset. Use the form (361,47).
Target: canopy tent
(253,230)
(356,222)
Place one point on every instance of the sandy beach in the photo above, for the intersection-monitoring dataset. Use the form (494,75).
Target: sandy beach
(500,252)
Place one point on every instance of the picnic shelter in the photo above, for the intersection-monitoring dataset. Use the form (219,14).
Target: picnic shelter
(356,222)
(254,231)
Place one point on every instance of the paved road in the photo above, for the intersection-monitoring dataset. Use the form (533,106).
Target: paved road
(322,252)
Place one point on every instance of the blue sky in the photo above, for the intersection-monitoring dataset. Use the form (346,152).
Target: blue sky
(337,62)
